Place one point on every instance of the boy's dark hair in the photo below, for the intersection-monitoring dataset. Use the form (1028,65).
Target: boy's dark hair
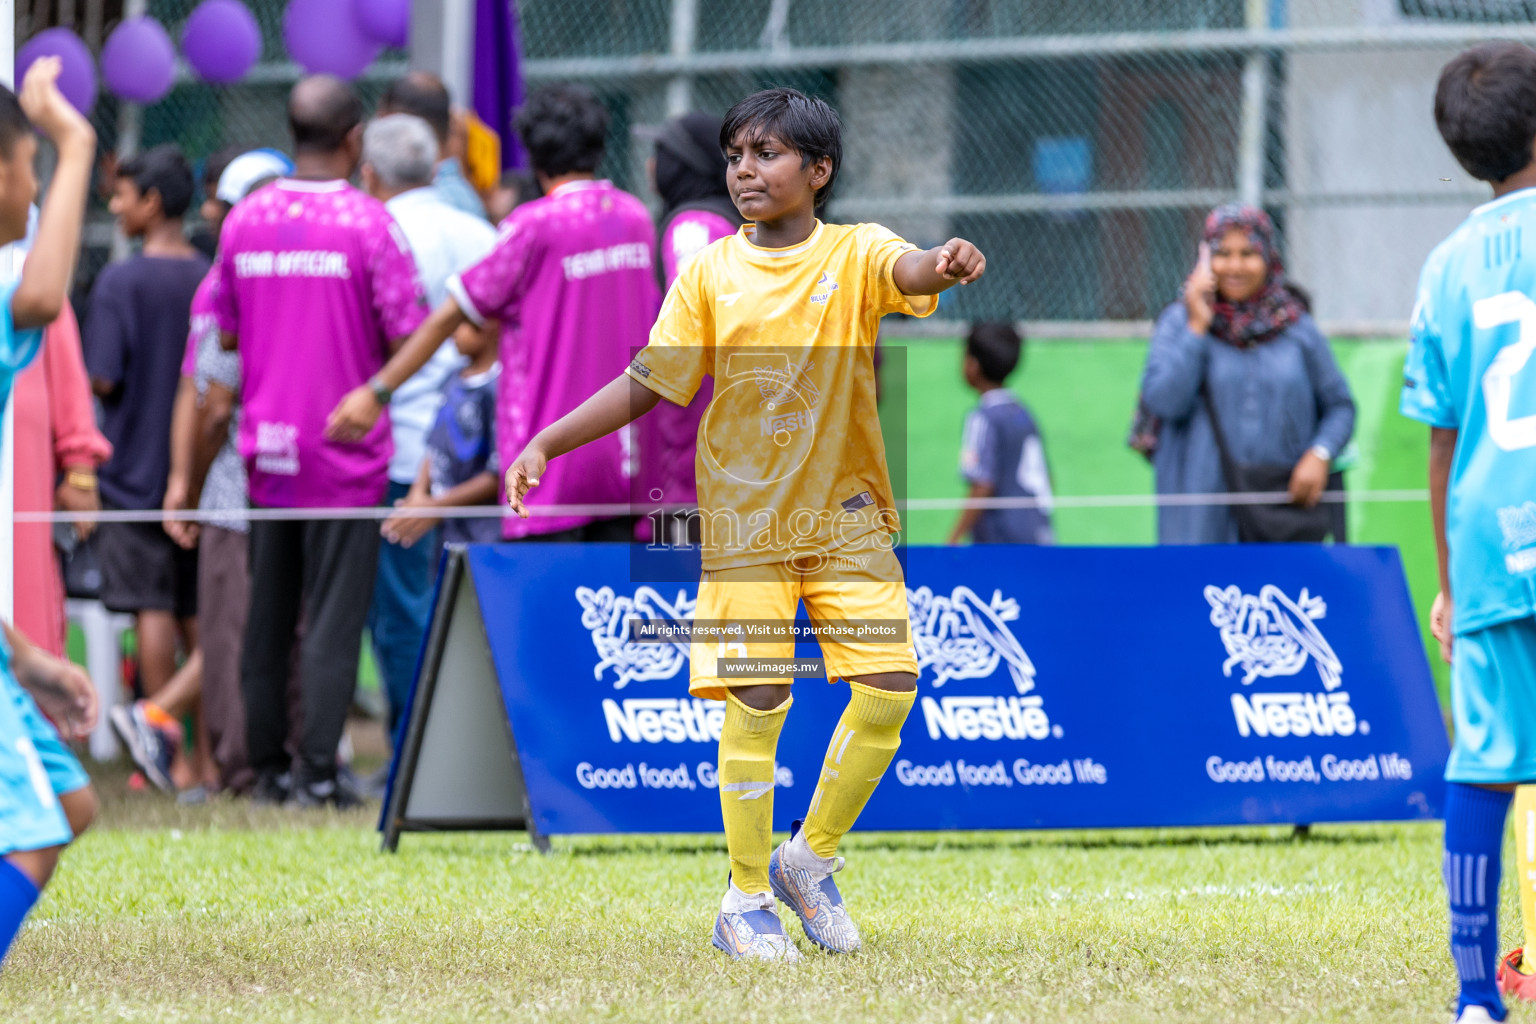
(163,170)
(806,123)
(322,111)
(997,348)
(563,127)
(423,94)
(1485,108)
(215,163)
(13,123)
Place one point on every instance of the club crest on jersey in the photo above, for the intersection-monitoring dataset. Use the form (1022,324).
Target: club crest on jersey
(824,288)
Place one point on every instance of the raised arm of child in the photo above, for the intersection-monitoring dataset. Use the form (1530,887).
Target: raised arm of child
(928,272)
(40,295)
(620,402)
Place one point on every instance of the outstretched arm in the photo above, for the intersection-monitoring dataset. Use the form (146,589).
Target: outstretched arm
(934,270)
(359,409)
(620,402)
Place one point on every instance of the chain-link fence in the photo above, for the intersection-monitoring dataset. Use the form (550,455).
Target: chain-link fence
(1080,144)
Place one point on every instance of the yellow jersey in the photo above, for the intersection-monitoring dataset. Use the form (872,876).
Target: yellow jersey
(790,460)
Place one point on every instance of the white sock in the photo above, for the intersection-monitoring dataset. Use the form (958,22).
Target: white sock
(799,855)
(737,902)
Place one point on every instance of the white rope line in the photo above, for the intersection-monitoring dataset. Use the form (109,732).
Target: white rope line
(1077,501)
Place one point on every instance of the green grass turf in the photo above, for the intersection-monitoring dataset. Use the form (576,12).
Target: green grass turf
(1083,393)
(173,914)
(170,914)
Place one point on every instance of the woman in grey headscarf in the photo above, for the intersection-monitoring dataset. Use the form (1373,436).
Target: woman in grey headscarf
(1241,342)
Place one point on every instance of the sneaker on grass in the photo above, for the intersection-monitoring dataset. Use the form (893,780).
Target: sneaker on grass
(151,747)
(804,882)
(1514,982)
(748,928)
(272,789)
(1476,1014)
(337,791)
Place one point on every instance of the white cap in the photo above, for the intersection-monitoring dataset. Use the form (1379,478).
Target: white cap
(247,169)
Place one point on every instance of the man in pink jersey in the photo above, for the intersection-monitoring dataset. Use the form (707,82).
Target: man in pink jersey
(316,286)
(573,280)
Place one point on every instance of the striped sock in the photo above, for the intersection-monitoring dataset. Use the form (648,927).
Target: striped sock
(748,740)
(1474,840)
(862,746)
(17,895)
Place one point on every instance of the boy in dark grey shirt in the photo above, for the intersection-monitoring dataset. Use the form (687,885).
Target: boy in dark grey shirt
(1000,453)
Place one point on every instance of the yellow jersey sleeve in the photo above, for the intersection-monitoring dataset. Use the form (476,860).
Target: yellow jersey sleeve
(882,247)
(681,347)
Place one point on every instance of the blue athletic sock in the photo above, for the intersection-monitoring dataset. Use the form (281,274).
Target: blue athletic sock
(17,895)
(1474,840)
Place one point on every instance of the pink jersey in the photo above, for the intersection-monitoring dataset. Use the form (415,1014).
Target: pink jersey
(315,279)
(203,318)
(572,280)
(669,433)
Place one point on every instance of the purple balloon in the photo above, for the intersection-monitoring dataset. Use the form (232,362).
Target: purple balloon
(221,41)
(324,38)
(139,61)
(77,78)
(384,21)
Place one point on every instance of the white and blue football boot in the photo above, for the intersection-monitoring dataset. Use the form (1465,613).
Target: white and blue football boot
(748,928)
(804,882)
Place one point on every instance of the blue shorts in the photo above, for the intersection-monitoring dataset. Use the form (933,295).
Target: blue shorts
(1493,704)
(35,767)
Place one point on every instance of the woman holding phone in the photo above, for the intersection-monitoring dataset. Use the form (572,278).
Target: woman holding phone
(1247,391)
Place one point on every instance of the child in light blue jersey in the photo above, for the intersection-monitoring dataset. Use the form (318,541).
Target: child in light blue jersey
(1469,378)
(45,797)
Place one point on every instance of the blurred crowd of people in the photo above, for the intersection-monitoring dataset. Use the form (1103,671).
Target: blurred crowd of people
(223,374)
(221,362)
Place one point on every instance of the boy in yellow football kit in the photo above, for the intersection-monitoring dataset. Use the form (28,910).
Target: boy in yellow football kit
(794,495)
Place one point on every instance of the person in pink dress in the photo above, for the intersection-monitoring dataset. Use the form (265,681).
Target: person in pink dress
(688,172)
(57,451)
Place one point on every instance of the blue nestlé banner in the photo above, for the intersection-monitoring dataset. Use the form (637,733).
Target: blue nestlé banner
(1060,688)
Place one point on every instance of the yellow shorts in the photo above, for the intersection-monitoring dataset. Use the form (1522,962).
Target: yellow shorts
(772,593)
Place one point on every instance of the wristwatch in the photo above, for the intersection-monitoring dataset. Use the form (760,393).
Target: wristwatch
(1322,452)
(380,392)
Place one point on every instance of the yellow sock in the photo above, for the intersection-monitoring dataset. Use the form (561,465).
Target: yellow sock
(1525,870)
(862,747)
(748,740)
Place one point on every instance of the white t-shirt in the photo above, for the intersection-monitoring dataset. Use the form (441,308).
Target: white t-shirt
(444,240)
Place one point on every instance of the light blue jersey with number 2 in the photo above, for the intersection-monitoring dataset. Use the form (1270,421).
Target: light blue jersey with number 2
(1470,369)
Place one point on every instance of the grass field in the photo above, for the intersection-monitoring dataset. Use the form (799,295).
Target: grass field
(177,915)
(170,914)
